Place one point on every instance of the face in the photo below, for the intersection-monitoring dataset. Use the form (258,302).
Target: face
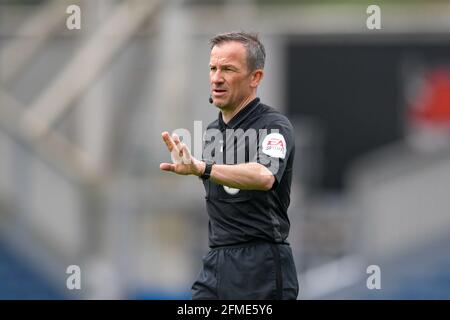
(231,82)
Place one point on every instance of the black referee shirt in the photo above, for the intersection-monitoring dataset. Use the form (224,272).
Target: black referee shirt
(258,133)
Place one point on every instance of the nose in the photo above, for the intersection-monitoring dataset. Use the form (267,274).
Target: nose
(216,77)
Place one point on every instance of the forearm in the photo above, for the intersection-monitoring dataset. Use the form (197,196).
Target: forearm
(244,176)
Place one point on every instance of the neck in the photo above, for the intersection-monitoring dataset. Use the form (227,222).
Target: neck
(227,115)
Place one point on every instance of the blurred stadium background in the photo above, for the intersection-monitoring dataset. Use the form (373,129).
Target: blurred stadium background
(81,112)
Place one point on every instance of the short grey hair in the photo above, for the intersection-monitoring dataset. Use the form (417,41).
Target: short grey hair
(256,54)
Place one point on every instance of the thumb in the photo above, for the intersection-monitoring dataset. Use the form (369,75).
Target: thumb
(167,167)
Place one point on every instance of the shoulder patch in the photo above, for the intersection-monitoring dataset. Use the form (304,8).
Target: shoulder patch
(274,145)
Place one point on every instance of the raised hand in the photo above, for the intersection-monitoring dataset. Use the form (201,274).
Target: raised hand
(182,161)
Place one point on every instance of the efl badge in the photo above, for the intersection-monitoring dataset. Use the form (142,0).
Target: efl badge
(274,145)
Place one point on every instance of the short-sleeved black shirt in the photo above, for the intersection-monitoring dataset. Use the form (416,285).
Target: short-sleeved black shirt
(258,133)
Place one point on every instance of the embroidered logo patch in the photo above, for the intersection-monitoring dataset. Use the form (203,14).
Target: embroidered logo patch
(274,145)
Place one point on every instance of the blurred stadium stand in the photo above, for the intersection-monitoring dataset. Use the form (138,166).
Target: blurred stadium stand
(81,114)
(20,281)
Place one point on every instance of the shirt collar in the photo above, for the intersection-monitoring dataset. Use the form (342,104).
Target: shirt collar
(240,116)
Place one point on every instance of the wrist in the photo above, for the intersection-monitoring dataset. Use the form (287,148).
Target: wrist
(206,173)
(201,166)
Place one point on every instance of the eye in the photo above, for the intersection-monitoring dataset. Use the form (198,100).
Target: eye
(212,68)
(229,69)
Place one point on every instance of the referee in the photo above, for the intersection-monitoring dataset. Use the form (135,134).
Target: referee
(246,169)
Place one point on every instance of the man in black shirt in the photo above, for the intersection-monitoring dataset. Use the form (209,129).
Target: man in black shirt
(246,170)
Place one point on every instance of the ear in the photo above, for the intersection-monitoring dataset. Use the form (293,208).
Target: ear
(256,78)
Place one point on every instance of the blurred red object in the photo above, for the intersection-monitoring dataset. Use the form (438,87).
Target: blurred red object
(432,106)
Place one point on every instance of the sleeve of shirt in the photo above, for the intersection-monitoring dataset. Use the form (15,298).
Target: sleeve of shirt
(275,145)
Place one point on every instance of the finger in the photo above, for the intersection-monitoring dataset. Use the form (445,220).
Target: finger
(176,139)
(185,150)
(167,166)
(168,140)
(180,147)
(186,154)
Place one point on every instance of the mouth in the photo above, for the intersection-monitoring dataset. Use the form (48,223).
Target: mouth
(218,92)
